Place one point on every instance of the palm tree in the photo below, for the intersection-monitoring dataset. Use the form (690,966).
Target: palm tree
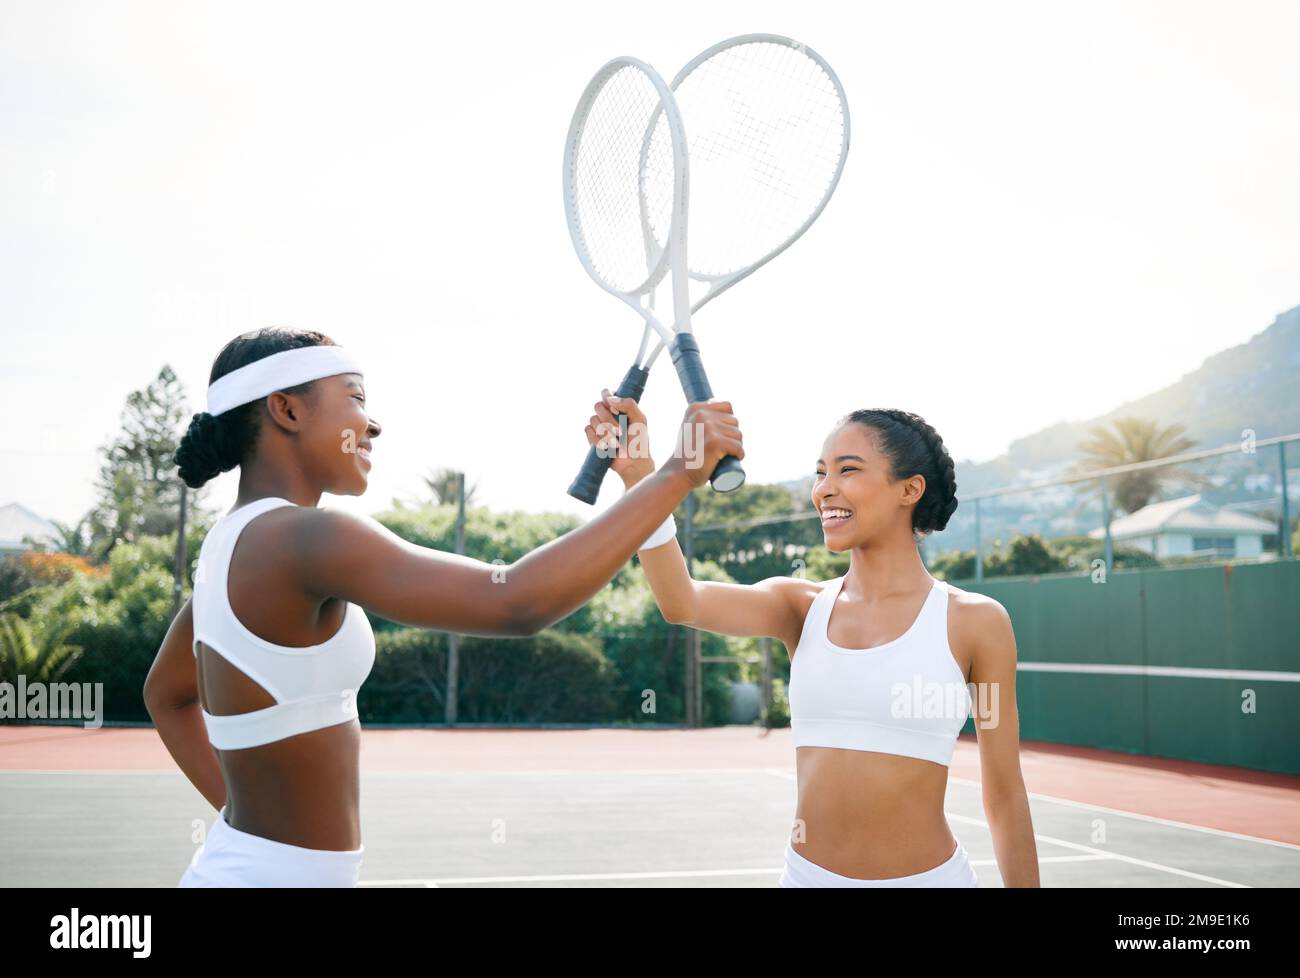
(443,485)
(1132,440)
(40,654)
(71,539)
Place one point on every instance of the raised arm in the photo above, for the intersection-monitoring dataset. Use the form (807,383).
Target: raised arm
(358,559)
(772,608)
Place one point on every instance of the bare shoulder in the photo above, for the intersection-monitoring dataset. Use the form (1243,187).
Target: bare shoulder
(288,526)
(335,529)
(974,605)
(978,622)
(292,533)
(799,592)
(318,519)
(975,611)
(327,546)
(796,595)
(268,543)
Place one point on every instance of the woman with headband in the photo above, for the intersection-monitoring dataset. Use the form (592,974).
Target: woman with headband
(254,688)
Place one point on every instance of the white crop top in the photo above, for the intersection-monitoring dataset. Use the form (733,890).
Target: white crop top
(905,697)
(314,686)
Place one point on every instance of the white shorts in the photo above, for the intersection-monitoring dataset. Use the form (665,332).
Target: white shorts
(956,872)
(229,857)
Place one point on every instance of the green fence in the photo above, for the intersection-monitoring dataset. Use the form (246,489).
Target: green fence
(1200,664)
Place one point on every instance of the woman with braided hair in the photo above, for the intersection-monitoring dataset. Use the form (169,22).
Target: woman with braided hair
(883,662)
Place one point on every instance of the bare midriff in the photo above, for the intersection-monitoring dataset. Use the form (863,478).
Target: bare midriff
(869,815)
(303,791)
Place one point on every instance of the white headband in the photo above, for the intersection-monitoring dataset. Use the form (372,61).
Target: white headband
(275,373)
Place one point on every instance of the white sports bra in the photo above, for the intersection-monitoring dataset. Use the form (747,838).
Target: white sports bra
(314,686)
(905,697)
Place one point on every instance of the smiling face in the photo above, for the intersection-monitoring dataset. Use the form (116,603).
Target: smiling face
(342,434)
(855,492)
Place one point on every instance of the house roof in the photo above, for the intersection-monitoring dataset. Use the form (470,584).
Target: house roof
(1186,515)
(17,521)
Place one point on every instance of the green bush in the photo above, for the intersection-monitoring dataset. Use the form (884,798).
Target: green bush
(1029,555)
(779,713)
(552,677)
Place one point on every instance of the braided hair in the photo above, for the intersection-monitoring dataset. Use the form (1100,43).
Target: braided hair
(914,448)
(212,445)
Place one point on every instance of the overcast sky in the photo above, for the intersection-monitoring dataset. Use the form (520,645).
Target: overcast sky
(1048,208)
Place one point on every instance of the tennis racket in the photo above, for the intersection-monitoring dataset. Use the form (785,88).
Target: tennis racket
(769,135)
(626,180)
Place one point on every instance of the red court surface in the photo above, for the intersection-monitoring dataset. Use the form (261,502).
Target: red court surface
(1229,799)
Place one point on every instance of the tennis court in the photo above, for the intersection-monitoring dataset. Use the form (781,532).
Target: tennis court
(630,808)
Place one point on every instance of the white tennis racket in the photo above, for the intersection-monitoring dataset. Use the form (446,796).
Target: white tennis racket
(626,180)
(768,128)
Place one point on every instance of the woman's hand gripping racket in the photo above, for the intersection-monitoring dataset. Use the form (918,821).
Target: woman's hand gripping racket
(626,181)
(769,128)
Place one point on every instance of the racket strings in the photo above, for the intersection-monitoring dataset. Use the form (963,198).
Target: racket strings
(766,130)
(623,181)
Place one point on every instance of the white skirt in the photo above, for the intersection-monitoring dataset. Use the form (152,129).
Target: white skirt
(955,872)
(229,857)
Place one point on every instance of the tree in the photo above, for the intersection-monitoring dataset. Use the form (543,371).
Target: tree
(442,485)
(72,539)
(1024,555)
(1128,441)
(36,650)
(139,494)
(955,565)
(752,553)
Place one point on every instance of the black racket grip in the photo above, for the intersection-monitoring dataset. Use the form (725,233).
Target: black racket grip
(586,486)
(729,474)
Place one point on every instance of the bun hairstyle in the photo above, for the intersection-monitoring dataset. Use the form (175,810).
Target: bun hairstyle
(213,445)
(915,448)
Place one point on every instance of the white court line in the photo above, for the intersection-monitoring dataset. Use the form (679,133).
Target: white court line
(777,772)
(1145,818)
(1102,853)
(676,874)
(1083,858)
(1132,860)
(577,877)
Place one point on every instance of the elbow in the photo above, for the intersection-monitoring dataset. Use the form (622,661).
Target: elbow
(525,629)
(150,696)
(157,708)
(675,617)
(161,702)
(681,613)
(525,623)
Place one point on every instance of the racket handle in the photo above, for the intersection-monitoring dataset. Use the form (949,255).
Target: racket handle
(729,474)
(586,486)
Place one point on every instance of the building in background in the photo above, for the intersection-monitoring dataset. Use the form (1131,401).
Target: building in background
(18,522)
(1189,527)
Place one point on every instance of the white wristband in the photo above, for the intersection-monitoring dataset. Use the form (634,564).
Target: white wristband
(667,531)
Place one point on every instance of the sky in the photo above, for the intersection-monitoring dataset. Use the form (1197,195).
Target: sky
(1047,209)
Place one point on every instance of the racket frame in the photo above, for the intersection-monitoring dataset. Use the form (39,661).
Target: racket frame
(669,260)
